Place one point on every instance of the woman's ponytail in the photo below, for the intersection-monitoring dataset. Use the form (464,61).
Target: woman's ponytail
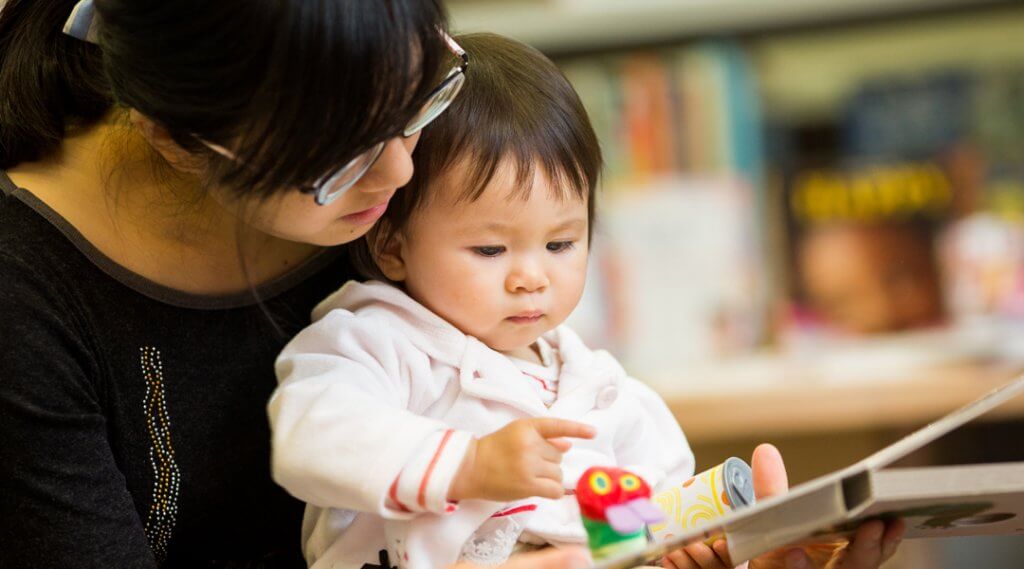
(49,82)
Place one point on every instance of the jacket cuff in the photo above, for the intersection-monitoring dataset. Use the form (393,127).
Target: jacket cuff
(423,484)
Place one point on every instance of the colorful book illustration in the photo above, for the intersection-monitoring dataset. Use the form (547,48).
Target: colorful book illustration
(941,501)
(918,186)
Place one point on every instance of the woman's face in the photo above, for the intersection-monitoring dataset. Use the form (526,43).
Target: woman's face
(295,216)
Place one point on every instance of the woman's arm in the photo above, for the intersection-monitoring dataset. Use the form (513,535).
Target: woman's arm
(63,500)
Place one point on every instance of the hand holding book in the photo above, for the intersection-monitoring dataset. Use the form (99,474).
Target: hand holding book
(873,544)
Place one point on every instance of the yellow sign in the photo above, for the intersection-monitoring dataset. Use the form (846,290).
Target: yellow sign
(873,194)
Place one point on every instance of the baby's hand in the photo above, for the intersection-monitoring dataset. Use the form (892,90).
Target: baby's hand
(519,461)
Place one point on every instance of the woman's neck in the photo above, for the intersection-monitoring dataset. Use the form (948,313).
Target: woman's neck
(109,184)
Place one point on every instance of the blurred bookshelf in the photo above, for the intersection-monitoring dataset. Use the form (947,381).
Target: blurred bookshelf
(562,26)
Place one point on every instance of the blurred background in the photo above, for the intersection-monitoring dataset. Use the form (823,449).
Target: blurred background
(811,223)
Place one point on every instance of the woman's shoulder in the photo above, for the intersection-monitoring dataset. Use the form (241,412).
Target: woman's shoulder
(41,336)
(22,229)
(33,255)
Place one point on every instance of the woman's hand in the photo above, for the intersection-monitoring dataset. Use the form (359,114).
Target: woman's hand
(873,544)
(551,558)
(521,460)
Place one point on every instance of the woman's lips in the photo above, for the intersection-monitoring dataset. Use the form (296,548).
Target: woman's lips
(367,216)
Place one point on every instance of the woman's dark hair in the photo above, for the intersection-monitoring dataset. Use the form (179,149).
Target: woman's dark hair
(515,105)
(295,89)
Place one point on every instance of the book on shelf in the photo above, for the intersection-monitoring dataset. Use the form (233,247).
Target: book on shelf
(674,276)
(906,211)
(691,110)
(676,273)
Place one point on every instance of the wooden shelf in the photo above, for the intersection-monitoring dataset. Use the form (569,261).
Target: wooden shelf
(804,407)
(580,25)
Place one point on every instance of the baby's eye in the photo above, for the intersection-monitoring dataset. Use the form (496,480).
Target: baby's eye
(489,250)
(559,246)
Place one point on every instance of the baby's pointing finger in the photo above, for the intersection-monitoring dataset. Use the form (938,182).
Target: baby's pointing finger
(556,428)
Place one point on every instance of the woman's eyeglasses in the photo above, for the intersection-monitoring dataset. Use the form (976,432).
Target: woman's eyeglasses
(335,184)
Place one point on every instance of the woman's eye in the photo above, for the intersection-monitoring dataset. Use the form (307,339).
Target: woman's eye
(558,246)
(489,250)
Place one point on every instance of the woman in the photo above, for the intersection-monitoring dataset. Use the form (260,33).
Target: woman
(167,225)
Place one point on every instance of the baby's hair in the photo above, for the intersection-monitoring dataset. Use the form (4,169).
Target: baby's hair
(516,106)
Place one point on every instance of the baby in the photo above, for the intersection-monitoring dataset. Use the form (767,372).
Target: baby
(424,415)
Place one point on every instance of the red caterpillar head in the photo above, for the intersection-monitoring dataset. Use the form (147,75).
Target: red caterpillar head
(601,489)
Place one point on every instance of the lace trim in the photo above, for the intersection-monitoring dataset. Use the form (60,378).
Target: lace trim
(493,543)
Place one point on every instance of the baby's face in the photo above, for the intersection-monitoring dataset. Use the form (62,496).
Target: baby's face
(504,268)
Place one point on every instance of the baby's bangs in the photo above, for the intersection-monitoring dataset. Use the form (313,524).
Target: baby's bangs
(341,76)
(567,176)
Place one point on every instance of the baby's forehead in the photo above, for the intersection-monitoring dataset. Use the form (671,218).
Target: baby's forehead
(504,202)
(511,218)
(508,186)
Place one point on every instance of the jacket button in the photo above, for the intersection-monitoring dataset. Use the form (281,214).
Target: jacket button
(607,396)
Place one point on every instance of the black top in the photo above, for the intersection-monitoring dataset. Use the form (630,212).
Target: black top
(133,429)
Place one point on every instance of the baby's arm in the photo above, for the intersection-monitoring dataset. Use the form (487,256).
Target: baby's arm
(343,435)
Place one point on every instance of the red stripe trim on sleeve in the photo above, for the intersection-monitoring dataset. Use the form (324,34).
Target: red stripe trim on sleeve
(422,499)
(393,494)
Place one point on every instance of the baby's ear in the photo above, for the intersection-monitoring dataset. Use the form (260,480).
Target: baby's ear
(387,253)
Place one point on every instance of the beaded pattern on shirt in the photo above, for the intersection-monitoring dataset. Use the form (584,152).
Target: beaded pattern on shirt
(163,509)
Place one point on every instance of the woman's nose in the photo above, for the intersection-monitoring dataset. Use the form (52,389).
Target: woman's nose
(393,168)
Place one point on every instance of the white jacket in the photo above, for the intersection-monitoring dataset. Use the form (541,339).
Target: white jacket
(378,382)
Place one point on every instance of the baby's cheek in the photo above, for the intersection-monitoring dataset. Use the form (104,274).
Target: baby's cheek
(569,297)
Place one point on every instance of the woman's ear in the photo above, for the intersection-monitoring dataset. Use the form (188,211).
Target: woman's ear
(161,141)
(389,256)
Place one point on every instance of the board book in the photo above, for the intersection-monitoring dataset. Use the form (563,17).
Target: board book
(939,501)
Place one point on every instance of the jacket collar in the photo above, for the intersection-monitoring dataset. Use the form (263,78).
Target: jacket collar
(427,331)
(483,372)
